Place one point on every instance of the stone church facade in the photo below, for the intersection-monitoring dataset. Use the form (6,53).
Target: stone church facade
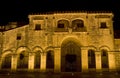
(61,42)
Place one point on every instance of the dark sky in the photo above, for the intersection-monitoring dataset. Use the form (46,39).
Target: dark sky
(18,10)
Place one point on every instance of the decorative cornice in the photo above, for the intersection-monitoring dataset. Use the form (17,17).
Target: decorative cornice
(81,11)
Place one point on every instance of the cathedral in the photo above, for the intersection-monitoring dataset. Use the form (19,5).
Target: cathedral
(61,42)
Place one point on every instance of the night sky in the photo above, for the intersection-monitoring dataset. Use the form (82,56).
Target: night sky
(18,10)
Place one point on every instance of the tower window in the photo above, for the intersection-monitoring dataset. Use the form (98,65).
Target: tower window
(38,27)
(103,25)
(19,36)
(60,25)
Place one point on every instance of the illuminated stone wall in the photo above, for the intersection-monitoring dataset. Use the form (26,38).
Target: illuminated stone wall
(43,34)
(10,38)
(117,53)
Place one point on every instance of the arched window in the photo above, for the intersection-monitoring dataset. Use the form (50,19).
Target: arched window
(77,24)
(50,59)
(91,58)
(62,24)
(104,58)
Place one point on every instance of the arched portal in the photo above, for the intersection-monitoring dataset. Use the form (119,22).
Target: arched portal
(23,60)
(70,57)
(6,62)
(22,57)
(91,59)
(50,59)
(37,59)
(104,60)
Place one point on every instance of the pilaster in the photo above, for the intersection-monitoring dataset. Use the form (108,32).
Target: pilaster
(98,61)
(84,59)
(43,62)
(31,61)
(57,60)
(14,62)
(111,61)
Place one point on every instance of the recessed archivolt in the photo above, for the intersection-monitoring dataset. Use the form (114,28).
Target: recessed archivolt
(63,21)
(49,48)
(78,19)
(91,47)
(104,47)
(7,52)
(37,49)
(68,39)
(22,49)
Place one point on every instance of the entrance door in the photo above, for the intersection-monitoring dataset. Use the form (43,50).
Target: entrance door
(70,57)
(70,63)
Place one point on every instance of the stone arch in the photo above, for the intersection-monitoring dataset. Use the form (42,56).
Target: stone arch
(78,19)
(37,59)
(6,52)
(37,48)
(63,23)
(63,19)
(70,55)
(49,57)
(49,48)
(6,59)
(21,49)
(22,57)
(92,47)
(70,38)
(104,47)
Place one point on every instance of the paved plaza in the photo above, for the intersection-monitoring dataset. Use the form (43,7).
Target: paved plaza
(58,75)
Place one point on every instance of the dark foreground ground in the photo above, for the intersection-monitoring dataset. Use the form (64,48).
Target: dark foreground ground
(58,75)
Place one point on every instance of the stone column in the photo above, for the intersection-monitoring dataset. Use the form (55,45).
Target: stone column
(98,61)
(84,59)
(31,61)
(57,60)
(111,61)
(43,62)
(14,62)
